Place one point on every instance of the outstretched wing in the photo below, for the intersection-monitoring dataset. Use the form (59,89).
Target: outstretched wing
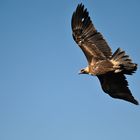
(116,85)
(87,37)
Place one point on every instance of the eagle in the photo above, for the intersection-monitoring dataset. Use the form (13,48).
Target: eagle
(109,68)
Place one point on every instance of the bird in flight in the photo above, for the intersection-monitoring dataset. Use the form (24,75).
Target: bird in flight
(109,68)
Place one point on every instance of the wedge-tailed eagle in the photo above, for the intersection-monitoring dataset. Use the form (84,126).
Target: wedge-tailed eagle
(109,68)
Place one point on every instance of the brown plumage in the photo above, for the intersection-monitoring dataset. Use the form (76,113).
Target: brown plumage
(109,68)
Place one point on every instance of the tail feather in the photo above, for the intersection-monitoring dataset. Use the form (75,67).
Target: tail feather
(124,62)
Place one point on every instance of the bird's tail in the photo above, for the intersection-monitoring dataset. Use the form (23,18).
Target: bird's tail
(123,62)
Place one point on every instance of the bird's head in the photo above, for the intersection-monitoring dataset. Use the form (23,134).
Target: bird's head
(84,71)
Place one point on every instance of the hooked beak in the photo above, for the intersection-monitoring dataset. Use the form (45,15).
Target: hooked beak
(82,71)
(79,72)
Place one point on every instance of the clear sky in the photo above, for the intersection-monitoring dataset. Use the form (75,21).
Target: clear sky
(42,97)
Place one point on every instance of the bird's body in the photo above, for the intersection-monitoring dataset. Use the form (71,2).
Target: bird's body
(109,68)
(99,68)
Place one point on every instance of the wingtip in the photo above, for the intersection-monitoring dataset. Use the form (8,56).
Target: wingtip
(132,100)
(80,6)
(135,102)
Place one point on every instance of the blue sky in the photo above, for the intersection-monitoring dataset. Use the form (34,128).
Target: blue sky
(41,94)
